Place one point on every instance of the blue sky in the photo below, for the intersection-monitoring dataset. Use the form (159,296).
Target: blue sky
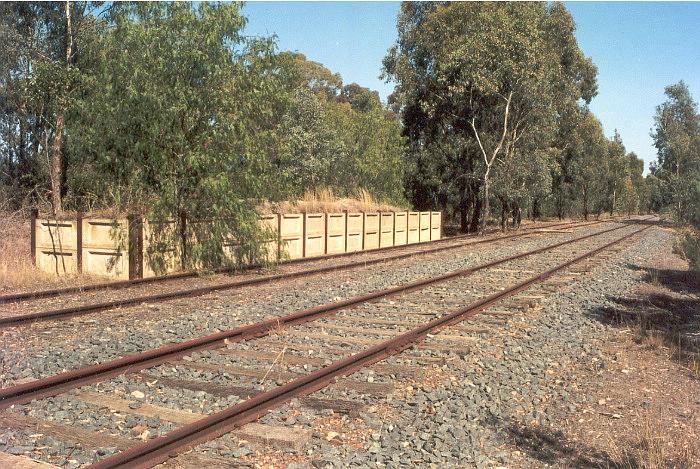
(639,48)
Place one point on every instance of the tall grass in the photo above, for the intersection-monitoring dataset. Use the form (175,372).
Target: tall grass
(325,200)
(16,267)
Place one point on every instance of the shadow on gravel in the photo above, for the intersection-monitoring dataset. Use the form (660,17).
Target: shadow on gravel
(665,312)
(679,281)
(553,448)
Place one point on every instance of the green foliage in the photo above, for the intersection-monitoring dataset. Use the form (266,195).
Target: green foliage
(339,136)
(481,88)
(170,110)
(36,85)
(314,149)
(166,124)
(677,139)
(676,174)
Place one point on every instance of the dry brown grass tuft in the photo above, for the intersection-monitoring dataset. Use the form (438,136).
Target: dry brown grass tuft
(17,273)
(324,200)
(654,450)
(16,267)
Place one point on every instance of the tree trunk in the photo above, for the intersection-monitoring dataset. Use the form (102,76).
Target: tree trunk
(463,216)
(485,208)
(612,207)
(463,208)
(678,179)
(585,204)
(55,173)
(515,214)
(56,145)
(182,234)
(476,216)
(504,209)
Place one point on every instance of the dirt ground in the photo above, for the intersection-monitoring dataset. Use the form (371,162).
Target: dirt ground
(643,394)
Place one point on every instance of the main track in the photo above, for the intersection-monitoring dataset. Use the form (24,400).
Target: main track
(357,332)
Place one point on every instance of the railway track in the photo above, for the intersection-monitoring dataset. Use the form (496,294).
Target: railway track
(118,284)
(74,305)
(363,331)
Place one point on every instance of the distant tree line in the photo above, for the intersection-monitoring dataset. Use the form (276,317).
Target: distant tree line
(674,182)
(494,101)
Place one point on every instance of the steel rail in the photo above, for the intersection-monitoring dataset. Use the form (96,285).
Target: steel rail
(119,284)
(162,448)
(71,311)
(56,384)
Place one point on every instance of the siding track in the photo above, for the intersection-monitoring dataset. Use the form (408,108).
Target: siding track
(327,265)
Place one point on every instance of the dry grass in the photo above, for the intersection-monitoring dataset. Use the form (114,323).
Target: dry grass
(16,267)
(17,273)
(651,449)
(324,200)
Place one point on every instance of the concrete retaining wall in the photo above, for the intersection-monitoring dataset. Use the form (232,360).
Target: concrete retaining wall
(122,248)
(371,233)
(335,233)
(386,229)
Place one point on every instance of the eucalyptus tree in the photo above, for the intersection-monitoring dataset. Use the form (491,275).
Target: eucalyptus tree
(42,58)
(486,75)
(177,120)
(676,137)
(675,178)
(615,173)
(338,136)
(588,151)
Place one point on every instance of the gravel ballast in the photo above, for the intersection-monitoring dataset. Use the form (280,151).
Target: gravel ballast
(465,419)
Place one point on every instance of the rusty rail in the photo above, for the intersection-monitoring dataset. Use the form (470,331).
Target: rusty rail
(52,385)
(162,448)
(191,292)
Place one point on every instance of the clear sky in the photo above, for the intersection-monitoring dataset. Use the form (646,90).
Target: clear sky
(639,48)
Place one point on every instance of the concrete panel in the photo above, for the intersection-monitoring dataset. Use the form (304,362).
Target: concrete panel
(104,233)
(60,235)
(169,259)
(371,234)
(271,224)
(315,234)
(52,262)
(400,228)
(355,232)
(335,233)
(356,223)
(315,224)
(354,242)
(292,235)
(424,226)
(106,262)
(413,227)
(154,232)
(435,225)
(386,229)
(371,222)
(335,223)
(156,236)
